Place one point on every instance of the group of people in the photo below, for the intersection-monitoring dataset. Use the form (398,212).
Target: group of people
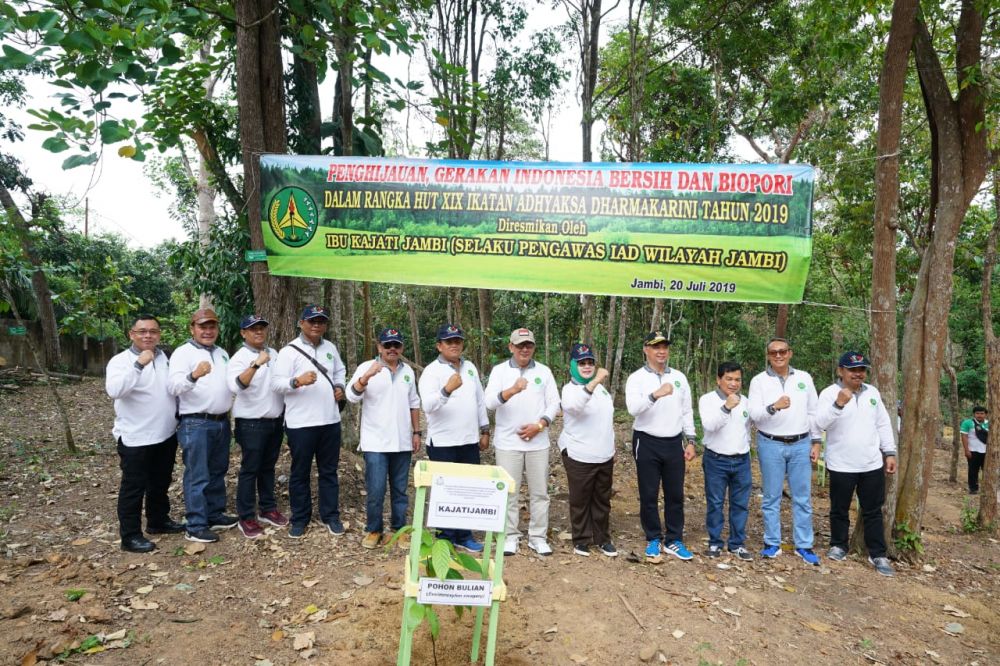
(298,393)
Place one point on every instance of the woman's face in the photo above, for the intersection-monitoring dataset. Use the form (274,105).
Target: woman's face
(587,368)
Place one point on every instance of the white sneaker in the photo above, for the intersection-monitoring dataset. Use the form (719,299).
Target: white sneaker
(540,546)
(510,545)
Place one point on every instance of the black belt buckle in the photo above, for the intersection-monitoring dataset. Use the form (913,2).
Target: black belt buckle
(786,439)
(208,417)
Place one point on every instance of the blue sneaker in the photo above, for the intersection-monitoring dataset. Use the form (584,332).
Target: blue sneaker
(470,545)
(770,552)
(336,527)
(296,531)
(653,552)
(677,549)
(808,556)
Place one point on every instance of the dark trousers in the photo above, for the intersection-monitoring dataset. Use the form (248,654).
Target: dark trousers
(976,463)
(260,442)
(870,487)
(589,500)
(323,444)
(146,474)
(467,454)
(659,461)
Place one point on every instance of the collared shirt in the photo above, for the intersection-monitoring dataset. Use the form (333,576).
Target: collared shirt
(208,394)
(857,435)
(144,409)
(459,418)
(256,400)
(968,428)
(312,405)
(588,433)
(797,418)
(386,425)
(539,401)
(668,416)
(727,432)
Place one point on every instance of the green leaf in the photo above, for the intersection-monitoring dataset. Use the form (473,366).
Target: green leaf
(112,132)
(469,562)
(415,615)
(79,160)
(433,623)
(14,59)
(441,557)
(74,594)
(55,144)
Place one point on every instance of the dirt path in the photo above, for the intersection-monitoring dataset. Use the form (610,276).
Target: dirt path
(245,602)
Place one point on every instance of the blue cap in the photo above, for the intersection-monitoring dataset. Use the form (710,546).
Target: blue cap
(252,320)
(390,335)
(315,312)
(449,331)
(853,359)
(581,351)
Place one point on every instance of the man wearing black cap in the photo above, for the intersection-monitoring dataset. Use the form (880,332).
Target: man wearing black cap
(858,438)
(198,379)
(390,432)
(458,428)
(310,375)
(663,436)
(258,413)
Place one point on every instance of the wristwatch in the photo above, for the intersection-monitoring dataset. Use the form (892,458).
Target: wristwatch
(418,433)
(255,366)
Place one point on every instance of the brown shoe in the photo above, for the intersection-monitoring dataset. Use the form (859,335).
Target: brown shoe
(371,540)
(403,542)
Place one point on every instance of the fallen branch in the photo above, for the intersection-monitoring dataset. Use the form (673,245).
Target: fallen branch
(628,607)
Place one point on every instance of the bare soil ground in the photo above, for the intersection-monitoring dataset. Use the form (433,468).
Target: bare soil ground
(246,602)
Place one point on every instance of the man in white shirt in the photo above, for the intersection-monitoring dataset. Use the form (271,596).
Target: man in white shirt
(858,437)
(198,379)
(310,376)
(390,432)
(145,429)
(663,437)
(975,435)
(525,397)
(726,461)
(458,428)
(783,405)
(258,413)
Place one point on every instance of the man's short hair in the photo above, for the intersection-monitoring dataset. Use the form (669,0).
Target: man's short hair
(728,366)
(980,408)
(144,317)
(777,339)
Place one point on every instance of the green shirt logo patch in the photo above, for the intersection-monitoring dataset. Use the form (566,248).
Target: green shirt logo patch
(802,386)
(406,378)
(538,380)
(677,383)
(329,356)
(470,372)
(874,402)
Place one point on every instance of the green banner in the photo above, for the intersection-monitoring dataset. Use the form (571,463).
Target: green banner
(714,232)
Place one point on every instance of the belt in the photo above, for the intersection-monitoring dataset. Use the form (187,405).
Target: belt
(209,417)
(785,439)
(726,455)
(276,419)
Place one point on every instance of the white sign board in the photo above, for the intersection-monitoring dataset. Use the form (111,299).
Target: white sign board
(455,592)
(469,504)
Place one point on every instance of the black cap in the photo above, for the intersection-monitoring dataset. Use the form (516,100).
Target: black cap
(390,335)
(315,312)
(853,359)
(581,351)
(252,320)
(655,338)
(449,331)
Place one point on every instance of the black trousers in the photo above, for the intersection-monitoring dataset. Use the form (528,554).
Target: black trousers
(976,463)
(146,474)
(589,500)
(870,487)
(659,461)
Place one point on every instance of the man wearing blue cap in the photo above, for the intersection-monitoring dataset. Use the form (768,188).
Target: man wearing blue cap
(458,428)
(310,375)
(859,438)
(390,422)
(258,413)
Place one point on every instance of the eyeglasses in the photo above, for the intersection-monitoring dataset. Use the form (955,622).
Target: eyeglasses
(778,352)
(393,345)
(146,331)
(525,345)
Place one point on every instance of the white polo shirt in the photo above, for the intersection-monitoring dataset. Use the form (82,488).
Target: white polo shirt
(208,394)
(857,435)
(539,401)
(727,432)
(256,400)
(457,419)
(668,416)
(797,418)
(144,409)
(386,426)
(312,405)
(588,433)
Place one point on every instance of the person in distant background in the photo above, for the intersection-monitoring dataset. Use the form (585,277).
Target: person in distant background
(975,433)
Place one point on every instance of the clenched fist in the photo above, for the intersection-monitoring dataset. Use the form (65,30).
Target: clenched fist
(782,403)
(665,389)
(145,358)
(306,378)
(732,401)
(263,358)
(202,369)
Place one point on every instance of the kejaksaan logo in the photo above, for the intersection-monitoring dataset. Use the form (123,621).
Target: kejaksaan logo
(292,216)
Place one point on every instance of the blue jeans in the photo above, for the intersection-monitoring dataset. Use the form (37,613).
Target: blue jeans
(467,454)
(722,474)
(260,441)
(205,450)
(323,444)
(778,460)
(395,467)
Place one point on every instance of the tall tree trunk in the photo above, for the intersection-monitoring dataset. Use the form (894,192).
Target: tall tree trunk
(485,325)
(587,319)
(411,310)
(610,328)
(261,103)
(656,321)
(206,192)
(956,436)
(989,499)
(548,340)
(616,373)
(781,321)
(349,334)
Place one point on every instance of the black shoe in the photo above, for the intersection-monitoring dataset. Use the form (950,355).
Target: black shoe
(202,536)
(169,527)
(138,544)
(223,522)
